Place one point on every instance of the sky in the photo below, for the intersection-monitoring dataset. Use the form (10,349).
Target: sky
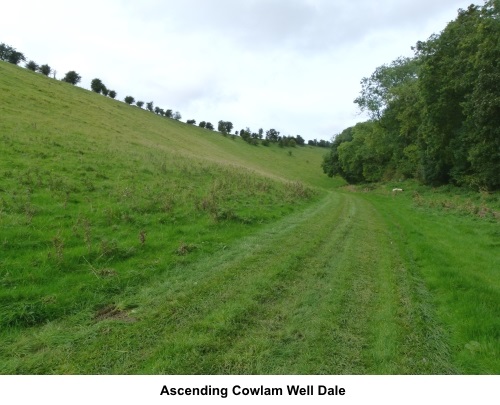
(291,65)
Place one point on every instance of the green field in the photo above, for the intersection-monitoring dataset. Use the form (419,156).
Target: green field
(135,244)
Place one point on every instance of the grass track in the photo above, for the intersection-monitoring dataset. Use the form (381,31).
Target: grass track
(298,297)
(456,259)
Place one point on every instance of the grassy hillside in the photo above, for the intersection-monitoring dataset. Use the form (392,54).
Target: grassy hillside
(131,243)
(37,106)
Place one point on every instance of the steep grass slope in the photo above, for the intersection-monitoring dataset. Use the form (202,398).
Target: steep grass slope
(33,105)
(98,199)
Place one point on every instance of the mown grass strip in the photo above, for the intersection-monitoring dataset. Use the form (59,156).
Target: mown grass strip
(317,293)
(454,260)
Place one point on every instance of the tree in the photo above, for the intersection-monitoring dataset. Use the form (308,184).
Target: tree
(169,113)
(481,133)
(112,93)
(45,69)
(209,126)
(5,52)
(9,54)
(104,91)
(31,65)
(225,127)
(272,135)
(357,154)
(300,141)
(139,104)
(149,106)
(177,116)
(191,122)
(72,77)
(377,90)
(447,80)
(244,134)
(129,100)
(202,124)
(97,85)
(157,110)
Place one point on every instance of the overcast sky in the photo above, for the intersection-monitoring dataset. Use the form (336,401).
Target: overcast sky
(292,65)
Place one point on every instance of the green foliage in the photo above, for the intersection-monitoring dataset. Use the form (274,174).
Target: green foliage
(31,65)
(139,104)
(300,141)
(129,100)
(437,113)
(97,85)
(482,107)
(72,77)
(331,163)
(45,69)
(11,55)
(378,91)
(112,94)
(225,127)
(272,135)
(446,80)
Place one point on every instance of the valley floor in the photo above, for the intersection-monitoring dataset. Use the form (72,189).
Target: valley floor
(337,288)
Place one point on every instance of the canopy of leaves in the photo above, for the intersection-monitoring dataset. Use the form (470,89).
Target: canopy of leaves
(31,65)
(97,85)
(45,69)
(9,54)
(434,117)
(72,77)
(225,127)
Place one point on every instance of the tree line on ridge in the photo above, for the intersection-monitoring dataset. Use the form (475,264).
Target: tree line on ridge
(11,55)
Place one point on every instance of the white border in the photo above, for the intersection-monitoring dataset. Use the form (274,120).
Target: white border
(124,390)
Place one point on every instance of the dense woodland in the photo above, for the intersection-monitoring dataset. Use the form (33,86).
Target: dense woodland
(434,117)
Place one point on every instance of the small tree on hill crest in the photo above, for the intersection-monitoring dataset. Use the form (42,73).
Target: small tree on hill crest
(72,77)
